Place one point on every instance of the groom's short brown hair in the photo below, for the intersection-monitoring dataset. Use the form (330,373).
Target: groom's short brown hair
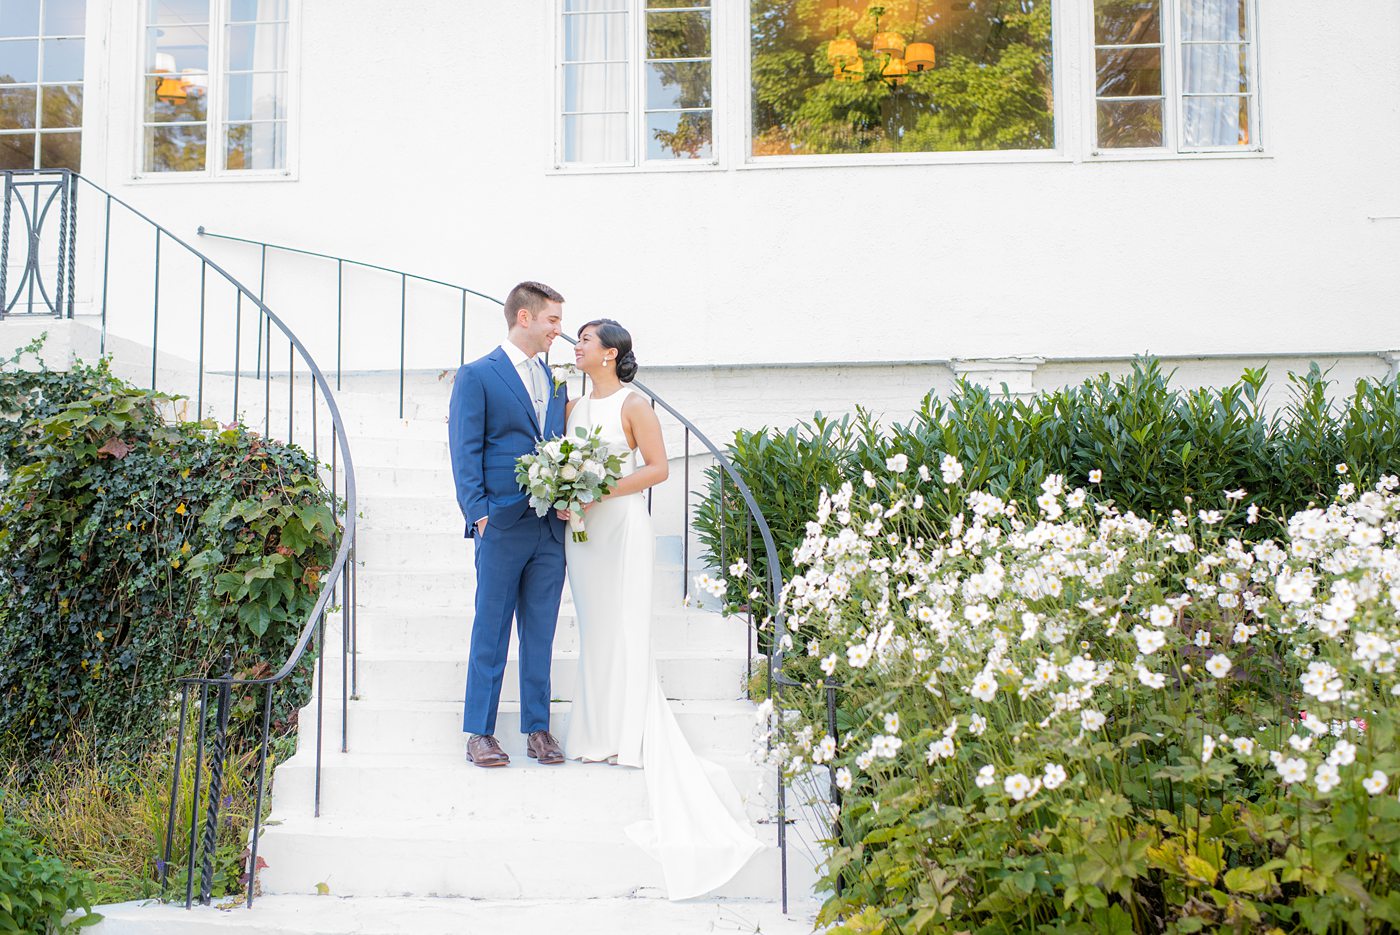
(530,296)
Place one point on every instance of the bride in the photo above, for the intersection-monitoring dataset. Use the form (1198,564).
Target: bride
(697,830)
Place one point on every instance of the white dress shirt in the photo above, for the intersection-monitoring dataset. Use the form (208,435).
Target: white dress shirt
(525,367)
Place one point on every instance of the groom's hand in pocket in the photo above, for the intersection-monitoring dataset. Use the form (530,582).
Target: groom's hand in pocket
(480,526)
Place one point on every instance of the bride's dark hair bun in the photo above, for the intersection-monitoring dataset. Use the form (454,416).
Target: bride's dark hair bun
(611,334)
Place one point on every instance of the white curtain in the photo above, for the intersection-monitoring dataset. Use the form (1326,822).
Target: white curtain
(595,117)
(1214,63)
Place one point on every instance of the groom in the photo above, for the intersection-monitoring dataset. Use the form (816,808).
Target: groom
(502,405)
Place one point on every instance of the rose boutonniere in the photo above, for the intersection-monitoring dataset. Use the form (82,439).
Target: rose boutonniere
(562,374)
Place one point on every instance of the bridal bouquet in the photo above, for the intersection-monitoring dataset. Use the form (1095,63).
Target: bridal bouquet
(567,473)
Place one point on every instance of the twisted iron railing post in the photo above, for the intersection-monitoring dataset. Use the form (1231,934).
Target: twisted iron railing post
(217,755)
(5,246)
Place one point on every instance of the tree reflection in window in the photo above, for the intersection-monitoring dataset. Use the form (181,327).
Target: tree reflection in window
(991,88)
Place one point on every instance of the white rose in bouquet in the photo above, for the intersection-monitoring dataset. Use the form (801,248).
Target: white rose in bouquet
(566,473)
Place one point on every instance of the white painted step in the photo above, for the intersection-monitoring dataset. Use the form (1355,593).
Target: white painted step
(407,629)
(714,729)
(684,674)
(453,587)
(480,859)
(336,915)
(446,786)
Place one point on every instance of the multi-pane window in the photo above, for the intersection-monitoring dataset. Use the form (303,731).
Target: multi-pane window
(847,77)
(636,82)
(41,83)
(215,86)
(1175,75)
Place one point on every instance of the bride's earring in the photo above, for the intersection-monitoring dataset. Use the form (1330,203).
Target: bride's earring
(607,363)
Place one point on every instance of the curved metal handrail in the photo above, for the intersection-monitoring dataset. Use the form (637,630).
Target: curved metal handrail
(340,578)
(755,515)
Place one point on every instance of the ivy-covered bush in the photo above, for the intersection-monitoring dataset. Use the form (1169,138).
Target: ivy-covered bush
(136,549)
(1065,717)
(1153,447)
(36,891)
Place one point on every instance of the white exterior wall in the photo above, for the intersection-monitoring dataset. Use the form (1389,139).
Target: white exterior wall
(422,139)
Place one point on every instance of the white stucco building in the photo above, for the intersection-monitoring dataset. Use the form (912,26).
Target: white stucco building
(1199,177)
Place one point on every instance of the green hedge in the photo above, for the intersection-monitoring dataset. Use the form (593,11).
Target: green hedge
(135,550)
(1157,448)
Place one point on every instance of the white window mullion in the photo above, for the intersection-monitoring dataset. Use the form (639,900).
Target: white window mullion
(1174,109)
(636,77)
(218,36)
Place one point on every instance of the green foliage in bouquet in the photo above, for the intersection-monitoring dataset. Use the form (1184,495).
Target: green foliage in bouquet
(1152,447)
(564,474)
(1065,717)
(136,549)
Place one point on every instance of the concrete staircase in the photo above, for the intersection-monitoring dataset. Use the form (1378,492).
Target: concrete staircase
(413,838)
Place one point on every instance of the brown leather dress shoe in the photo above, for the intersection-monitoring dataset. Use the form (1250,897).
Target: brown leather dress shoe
(483,750)
(543,747)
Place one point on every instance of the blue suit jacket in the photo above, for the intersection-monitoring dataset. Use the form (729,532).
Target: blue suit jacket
(490,424)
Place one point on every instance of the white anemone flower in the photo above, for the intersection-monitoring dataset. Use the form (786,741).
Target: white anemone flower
(899,463)
(858,656)
(1376,782)
(986,776)
(984,687)
(1092,720)
(843,779)
(1218,665)
(1327,778)
(891,723)
(1343,754)
(1018,786)
(1244,746)
(829,664)
(1207,748)
(1055,776)
(943,749)
(1292,769)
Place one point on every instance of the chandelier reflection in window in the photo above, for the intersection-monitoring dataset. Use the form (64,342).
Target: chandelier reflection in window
(897,59)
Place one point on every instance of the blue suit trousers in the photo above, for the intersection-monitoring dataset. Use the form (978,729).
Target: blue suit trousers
(520,575)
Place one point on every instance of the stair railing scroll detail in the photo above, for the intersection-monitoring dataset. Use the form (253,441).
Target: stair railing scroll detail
(136,268)
(729,476)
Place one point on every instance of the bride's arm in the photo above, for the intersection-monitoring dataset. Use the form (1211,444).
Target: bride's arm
(644,429)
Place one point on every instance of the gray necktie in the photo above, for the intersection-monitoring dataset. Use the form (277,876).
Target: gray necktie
(537,382)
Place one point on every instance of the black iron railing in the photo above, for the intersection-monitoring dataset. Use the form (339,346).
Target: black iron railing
(122,271)
(449,293)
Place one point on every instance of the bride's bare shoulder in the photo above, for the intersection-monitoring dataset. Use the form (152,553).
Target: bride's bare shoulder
(569,408)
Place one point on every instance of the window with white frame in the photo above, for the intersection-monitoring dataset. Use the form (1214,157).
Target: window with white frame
(636,82)
(1175,75)
(214,81)
(41,83)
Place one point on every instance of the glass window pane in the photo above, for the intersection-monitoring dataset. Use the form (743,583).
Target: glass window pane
(60,150)
(175,149)
(680,136)
(255,146)
(176,98)
(63,106)
(257,48)
(1214,20)
(665,4)
(257,97)
(19,61)
(803,105)
(17,107)
(19,19)
(595,37)
(678,84)
(246,11)
(1215,69)
(63,60)
(65,17)
(176,12)
(678,34)
(1126,22)
(595,87)
(576,6)
(1129,72)
(596,138)
(1130,124)
(17,151)
(1215,121)
(176,48)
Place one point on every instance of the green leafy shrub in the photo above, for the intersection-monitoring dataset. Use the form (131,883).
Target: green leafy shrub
(136,549)
(1151,447)
(37,891)
(1065,717)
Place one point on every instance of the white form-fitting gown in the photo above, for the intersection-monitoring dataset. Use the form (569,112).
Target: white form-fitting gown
(697,830)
